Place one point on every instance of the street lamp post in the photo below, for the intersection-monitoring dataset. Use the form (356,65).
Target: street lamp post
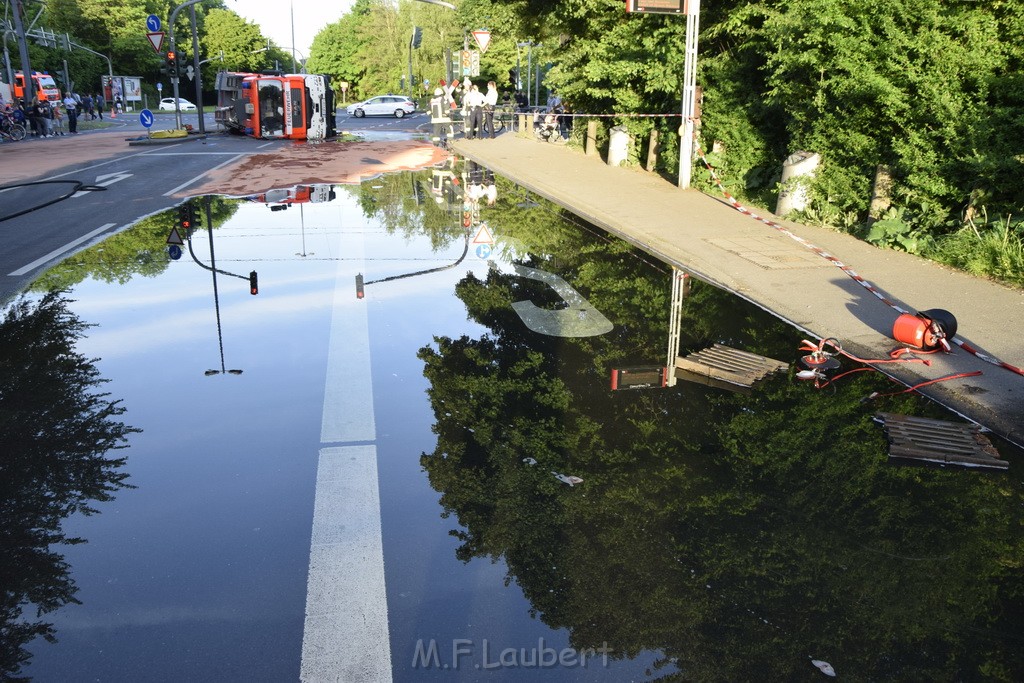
(689,94)
(198,73)
(529,67)
(174,78)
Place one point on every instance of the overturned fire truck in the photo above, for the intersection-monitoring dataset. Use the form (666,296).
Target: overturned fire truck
(275,105)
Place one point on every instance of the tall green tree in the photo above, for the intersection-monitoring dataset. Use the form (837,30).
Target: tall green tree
(238,39)
(56,429)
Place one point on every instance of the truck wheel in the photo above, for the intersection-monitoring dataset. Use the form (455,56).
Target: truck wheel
(399,113)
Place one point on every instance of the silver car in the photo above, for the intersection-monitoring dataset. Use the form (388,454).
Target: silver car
(383,105)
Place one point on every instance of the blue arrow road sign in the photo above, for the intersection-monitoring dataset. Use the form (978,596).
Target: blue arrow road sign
(174,251)
(153,22)
(483,251)
(146,118)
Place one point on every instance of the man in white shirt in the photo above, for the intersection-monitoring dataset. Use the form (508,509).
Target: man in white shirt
(71,106)
(474,103)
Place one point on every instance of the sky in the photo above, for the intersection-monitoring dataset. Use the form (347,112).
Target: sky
(274,19)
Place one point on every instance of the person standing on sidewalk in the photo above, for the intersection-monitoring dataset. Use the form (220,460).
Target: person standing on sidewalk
(71,106)
(474,104)
(46,118)
(490,102)
(58,120)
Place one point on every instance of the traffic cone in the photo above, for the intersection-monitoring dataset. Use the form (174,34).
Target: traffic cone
(113,113)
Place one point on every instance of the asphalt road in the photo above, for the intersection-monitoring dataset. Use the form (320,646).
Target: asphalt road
(46,179)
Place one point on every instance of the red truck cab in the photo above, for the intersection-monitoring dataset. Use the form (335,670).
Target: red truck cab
(43,84)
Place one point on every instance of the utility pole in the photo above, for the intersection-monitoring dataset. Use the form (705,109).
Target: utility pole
(689,94)
(174,77)
(198,72)
(26,67)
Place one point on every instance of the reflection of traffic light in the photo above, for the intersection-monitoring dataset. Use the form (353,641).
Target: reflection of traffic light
(417,37)
(185,216)
(359,286)
(253,286)
(467,219)
(195,216)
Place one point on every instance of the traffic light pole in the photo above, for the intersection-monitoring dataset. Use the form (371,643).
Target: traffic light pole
(198,73)
(173,49)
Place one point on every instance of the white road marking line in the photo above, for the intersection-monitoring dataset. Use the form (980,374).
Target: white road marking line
(57,252)
(348,391)
(105,180)
(346,635)
(196,178)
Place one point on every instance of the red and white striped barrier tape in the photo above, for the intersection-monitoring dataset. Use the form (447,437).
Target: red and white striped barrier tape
(839,264)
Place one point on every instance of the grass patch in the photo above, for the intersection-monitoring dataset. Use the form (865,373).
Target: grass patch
(995,250)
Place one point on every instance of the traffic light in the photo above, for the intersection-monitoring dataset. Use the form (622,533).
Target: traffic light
(359,286)
(185,216)
(467,219)
(417,37)
(194,216)
(254,288)
(172,63)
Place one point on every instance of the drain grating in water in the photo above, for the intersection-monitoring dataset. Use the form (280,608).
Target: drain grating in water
(921,438)
(730,365)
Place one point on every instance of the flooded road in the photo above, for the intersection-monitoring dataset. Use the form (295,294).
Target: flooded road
(403,459)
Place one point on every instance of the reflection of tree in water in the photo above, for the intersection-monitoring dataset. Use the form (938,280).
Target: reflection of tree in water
(139,250)
(737,536)
(55,430)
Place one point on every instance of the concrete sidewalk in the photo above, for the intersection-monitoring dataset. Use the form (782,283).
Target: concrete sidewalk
(705,236)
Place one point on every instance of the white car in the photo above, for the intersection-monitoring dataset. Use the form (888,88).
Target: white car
(167,104)
(383,105)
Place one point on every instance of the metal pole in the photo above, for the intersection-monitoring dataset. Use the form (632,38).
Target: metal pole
(198,72)
(529,73)
(26,66)
(174,79)
(408,80)
(689,94)
(675,319)
(519,70)
(7,59)
(295,69)
(537,85)
(110,65)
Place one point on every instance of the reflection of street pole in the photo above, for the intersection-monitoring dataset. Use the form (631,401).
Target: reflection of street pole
(680,287)
(302,227)
(216,297)
(360,283)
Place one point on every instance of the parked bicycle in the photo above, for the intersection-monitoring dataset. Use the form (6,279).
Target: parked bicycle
(11,129)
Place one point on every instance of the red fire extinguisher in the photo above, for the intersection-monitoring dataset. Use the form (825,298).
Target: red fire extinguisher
(928,330)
